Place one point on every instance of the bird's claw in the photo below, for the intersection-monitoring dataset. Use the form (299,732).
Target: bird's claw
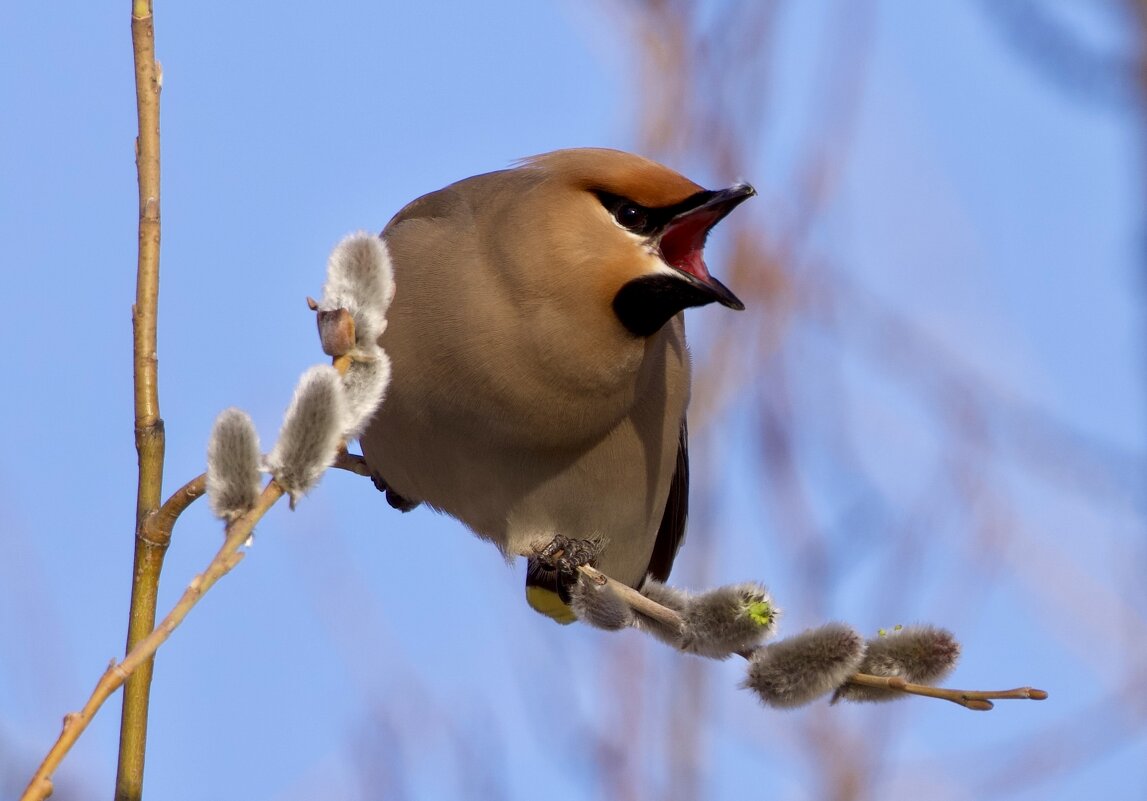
(392,497)
(566,555)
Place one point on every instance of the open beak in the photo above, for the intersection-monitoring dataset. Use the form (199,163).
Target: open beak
(682,240)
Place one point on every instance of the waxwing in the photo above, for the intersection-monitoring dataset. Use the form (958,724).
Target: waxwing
(540,372)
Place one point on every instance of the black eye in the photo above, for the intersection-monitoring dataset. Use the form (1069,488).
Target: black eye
(631,216)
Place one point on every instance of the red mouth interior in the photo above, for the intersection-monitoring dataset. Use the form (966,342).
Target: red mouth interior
(683,242)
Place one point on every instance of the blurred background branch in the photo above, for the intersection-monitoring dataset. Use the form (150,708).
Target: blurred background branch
(824,348)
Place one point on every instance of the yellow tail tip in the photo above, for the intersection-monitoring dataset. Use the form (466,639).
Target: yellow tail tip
(548,603)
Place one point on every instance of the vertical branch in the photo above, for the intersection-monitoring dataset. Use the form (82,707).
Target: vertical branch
(149,435)
(1139,15)
(76,723)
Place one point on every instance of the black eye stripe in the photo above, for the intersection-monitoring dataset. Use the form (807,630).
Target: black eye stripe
(644,220)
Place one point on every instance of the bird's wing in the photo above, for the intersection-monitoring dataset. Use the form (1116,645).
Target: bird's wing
(672,530)
(545,590)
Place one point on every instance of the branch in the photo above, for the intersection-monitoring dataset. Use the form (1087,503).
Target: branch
(158,525)
(352,463)
(970,699)
(980,700)
(312,426)
(642,604)
(149,434)
(40,787)
(329,405)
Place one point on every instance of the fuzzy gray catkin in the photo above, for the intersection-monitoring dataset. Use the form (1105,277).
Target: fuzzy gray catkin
(669,597)
(795,671)
(233,481)
(918,654)
(360,279)
(599,605)
(727,620)
(364,385)
(312,428)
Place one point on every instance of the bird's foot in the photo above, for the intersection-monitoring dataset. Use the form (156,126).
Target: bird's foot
(565,555)
(392,497)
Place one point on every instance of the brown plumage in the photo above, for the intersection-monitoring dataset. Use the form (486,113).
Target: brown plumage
(540,374)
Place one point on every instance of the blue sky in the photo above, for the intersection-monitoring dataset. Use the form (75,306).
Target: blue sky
(998,213)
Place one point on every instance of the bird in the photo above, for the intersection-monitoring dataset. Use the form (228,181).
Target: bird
(540,373)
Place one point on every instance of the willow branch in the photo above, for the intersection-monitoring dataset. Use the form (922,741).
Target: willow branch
(158,526)
(149,434)
(636,601)
(40,787)
(979,700)
(352,463)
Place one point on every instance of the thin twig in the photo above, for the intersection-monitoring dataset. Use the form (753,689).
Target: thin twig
(351,462)
(157,528)
(149,434)
(40,787)
(979,700)
(636,601)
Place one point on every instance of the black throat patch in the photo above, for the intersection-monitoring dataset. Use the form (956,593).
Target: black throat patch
(645,304)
